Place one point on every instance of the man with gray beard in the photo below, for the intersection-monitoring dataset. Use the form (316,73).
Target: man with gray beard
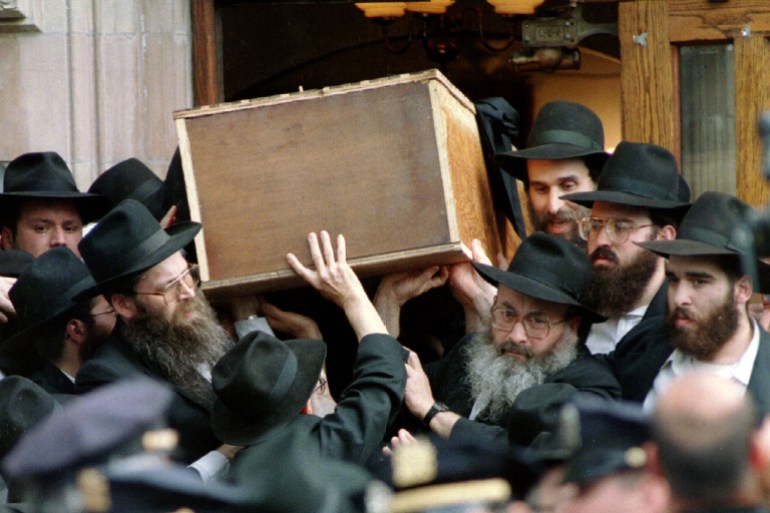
(165,329)
(529,360)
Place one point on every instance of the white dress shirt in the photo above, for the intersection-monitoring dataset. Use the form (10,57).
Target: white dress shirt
(604,336)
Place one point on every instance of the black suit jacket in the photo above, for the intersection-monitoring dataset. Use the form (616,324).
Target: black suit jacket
(637,361)
(51,379)
(115,360)
(534,410)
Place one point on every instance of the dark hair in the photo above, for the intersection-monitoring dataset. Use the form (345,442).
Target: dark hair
(592,162)
(662,217)
(50,342)
(124,287)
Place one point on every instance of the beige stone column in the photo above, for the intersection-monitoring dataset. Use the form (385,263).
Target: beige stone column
(95,80)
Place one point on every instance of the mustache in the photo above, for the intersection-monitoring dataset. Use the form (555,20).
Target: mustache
(516,348)
(562,215)
(604,252)
(680,312)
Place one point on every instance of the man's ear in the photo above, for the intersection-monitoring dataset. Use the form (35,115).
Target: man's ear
(668,232)
(124,306)
(7,238)
(653,459)
(743,290)
(76,331)
(574,323)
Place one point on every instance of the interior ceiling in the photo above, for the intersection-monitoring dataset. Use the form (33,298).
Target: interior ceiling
(280,46)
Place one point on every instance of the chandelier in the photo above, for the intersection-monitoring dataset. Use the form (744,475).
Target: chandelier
(549,31)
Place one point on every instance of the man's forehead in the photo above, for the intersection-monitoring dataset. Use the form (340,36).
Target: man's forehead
(699,264)
(617,211)
(553,171)
(166,269)
(49,208)
(512,298)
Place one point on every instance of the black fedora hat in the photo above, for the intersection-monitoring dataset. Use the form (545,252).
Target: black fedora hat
(48,287)
(548,268)
(710,227)
(128,241)
(638,175)
(14,261)
(92,428)
(46,290)
(562,130)
(262,382)
(45,175)
(612,436)
(131,178)
(22,405)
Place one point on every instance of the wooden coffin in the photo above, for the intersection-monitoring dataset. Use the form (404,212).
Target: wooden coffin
(393,164)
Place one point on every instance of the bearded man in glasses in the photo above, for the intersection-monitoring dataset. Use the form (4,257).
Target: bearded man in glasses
(165,327)
(529,360)
(640,197)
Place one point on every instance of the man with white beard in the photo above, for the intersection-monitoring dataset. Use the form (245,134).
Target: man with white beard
(528,362)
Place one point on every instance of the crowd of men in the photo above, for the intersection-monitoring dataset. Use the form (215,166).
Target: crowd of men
(613,365)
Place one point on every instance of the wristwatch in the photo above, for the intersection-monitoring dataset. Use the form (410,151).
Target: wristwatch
(437,408)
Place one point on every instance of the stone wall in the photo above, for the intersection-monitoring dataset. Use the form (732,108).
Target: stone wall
(95,80)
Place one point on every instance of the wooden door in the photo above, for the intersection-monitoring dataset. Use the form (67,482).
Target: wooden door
(651,34)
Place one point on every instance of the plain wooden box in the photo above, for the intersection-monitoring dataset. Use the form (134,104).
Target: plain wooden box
(394,164)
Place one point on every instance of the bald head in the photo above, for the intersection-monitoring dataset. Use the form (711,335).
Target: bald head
(703,427)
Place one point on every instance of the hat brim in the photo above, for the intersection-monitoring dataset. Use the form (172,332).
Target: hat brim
(587,199)
(683,247)
(91,206)
(180,235)
(589,466)
(534,288)
(514,162)
(232,428)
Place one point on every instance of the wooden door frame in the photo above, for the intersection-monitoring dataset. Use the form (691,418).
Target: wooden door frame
(650,33)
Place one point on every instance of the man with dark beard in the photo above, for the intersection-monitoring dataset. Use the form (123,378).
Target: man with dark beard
(54,333)
(638,199)
(564,154)
(529,360)
(165,329)
(708,323)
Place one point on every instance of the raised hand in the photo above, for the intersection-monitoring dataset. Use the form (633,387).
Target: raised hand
(336,281)
(396,289)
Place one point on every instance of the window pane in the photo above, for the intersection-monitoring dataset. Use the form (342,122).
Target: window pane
(708,118)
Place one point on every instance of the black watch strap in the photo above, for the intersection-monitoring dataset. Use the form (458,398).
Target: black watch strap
(437,408)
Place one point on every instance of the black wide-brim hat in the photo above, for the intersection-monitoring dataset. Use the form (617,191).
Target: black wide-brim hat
(23,404)
(91,428)
(45,175)
(261,383)
(128,241)
(548,268)
(637,175)
(562,130)
(131,178)
(47,289)
(710,227)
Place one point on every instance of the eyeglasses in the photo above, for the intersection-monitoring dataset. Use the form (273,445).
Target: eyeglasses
(106,312)
(321,387)
(170,293)
(617,230)
(535,325)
